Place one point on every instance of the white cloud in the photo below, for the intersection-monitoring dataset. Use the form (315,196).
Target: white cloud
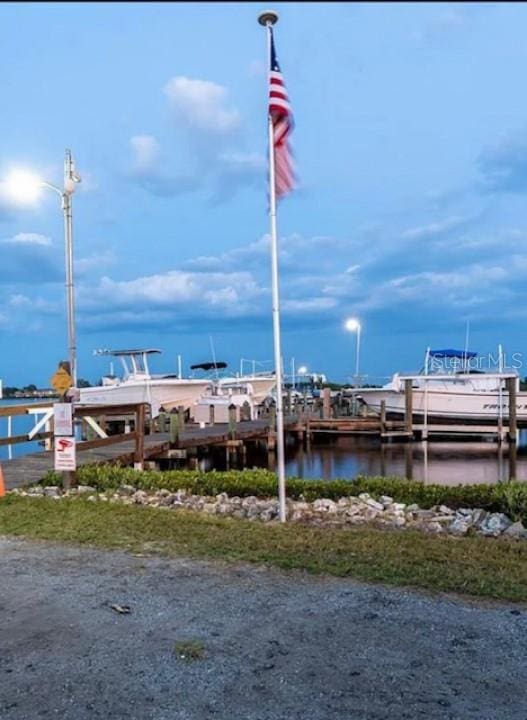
(146,153)
(309,304)
(28,239)
(229,290)
(201,104)
(434,229)
(95,262)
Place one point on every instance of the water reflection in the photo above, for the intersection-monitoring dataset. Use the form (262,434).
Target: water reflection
(444,463)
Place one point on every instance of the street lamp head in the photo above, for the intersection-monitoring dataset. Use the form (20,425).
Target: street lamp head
(23,186)
(352,325)
(268,17)
(302,370)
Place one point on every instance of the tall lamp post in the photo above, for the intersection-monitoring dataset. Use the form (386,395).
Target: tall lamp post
(353,325)
(24,187)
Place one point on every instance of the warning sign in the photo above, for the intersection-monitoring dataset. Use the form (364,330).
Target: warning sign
(61,381)
(65,454)
(63,415)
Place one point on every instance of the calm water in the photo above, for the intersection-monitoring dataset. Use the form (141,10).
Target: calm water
(20,424)
(447,463)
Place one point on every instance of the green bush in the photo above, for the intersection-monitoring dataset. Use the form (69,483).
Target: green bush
(510,498)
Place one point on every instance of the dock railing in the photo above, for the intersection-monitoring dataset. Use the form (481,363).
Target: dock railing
(88,420)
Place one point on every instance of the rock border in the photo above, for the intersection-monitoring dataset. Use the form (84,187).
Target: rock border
(347,511)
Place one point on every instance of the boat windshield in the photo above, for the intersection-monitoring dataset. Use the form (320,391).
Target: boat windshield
(450,362)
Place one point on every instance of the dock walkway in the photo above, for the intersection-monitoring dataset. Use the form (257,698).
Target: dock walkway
(29,469)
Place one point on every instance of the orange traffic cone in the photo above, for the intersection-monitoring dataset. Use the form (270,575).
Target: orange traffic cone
(2,483)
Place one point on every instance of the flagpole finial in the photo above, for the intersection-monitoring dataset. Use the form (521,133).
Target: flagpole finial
(268,17)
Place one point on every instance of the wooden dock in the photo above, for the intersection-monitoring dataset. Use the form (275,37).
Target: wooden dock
(170,437)
(123,449)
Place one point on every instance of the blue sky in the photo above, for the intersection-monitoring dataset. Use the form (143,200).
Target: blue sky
(410,146)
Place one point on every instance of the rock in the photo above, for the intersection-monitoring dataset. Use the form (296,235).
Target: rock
(223,508)
(371,503)
(516,530)
(459,526)
(325,505)
(140,497)
(126,490)
(83,489)
(495,524)
(249,501)
(479,516)
(397,507)
(267,515)
(37,491)
(412,508)
(424,514)
(445,510)
(386,500)
(52,491)
(364,496)
(93,498)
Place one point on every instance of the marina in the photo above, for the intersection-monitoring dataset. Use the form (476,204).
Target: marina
(323,439)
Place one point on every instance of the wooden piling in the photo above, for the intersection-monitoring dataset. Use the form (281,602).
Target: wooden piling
(383,416)
(513,420)
(232,421)
(408,407)
(139,453)
(211,414)
(326,403)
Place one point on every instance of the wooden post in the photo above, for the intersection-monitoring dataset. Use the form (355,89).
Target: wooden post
(211,414)
(139,455)
(513,422)
(383,416)
(326,403)
(408,407)
(513,453)
(409,461)
(272,416)
(174,427)
(245,411)
(162,422)
(232,421)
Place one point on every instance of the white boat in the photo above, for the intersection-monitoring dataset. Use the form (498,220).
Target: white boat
(250,390)
(462,393)
(138,385)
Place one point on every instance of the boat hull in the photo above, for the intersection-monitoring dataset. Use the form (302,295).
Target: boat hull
(166,394)
(446,406)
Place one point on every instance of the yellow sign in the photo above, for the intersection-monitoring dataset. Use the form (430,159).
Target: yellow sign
(61,381)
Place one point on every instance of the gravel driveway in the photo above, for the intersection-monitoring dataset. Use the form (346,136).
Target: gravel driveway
(277,645)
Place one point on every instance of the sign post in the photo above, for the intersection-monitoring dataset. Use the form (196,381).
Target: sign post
(64,430)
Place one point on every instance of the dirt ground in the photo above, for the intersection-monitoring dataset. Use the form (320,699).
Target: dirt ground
(276,645)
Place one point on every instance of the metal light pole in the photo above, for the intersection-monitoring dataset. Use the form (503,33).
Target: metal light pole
(71,177)
(23,186)
(357,358)
(353,325)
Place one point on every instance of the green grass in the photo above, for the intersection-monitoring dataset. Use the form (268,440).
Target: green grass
(509,498)
(189,650)
(472,565)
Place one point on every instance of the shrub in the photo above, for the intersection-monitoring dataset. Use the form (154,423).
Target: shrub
(510,498)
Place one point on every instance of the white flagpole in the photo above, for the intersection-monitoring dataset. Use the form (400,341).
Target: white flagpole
(268,19)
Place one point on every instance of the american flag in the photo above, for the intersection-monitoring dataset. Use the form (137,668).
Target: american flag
(282,119)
